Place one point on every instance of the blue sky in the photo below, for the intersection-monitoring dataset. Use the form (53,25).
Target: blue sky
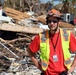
(55,1)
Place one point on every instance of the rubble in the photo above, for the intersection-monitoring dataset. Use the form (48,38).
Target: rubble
(16,15)
(18,28)
(17,65)
(14,40)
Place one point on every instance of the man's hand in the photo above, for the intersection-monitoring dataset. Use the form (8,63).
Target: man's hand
(71,70)
(35,61)
(72,66)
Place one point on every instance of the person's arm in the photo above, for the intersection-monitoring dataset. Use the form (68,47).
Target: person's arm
(74,62)
(72,66)
(73,49)
(32,56)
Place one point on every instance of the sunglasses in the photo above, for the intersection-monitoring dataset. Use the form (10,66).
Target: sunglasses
(54,21)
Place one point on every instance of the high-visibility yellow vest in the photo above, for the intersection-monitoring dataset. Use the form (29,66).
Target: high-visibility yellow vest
(45,49)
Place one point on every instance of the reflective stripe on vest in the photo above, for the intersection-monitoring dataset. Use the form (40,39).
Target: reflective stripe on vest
(65,38)
(45,50)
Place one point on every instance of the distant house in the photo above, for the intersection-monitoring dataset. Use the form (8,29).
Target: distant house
(67,17)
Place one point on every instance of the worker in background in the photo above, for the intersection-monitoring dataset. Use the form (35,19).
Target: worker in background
(54,45)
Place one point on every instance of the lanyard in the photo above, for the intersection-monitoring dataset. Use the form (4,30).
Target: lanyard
(54,46)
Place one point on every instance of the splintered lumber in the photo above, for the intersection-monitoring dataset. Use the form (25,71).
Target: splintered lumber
(18,28)
(42,19)
(66,25)
(4,63)
(8,43)
(20,39)
(9,50)
(15,14)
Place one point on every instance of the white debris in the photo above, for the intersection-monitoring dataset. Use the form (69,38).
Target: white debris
(43,26)
(0,12)
(30,13)
(4,18)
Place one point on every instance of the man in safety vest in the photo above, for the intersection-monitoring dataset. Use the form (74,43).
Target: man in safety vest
(55,46)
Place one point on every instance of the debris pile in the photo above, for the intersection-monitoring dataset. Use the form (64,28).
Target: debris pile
(14,57)
(16,15)
(14,40)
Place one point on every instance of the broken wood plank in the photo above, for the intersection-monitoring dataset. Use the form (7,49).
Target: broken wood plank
(18,28)
(6,42)
(15,14)
(20,39)
(42,19)
(9,50)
